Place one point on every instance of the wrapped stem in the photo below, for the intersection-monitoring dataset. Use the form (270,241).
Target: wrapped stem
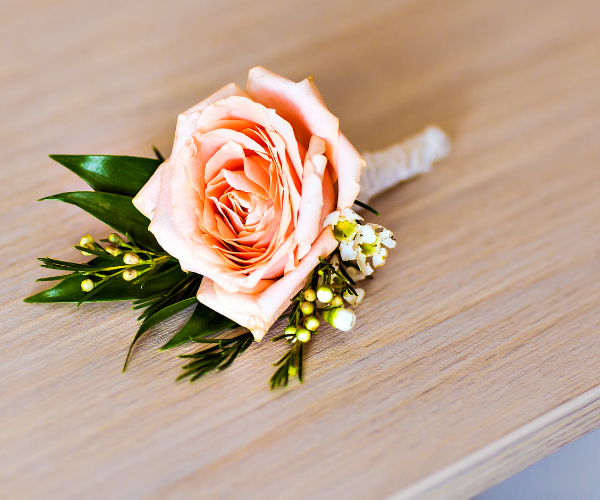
(400,162)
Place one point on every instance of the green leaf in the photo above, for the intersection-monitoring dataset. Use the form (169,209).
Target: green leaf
(156,318)
(70,290)
(203,322)
(115,210)
(159,157)
(366,207)
(124,175)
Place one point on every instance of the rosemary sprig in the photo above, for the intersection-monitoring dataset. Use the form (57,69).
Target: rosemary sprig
(218,357)
(290,364)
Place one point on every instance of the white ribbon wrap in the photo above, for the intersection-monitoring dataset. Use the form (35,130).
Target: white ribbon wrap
(400,162)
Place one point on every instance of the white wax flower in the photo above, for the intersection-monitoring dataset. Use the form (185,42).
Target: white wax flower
(352,299)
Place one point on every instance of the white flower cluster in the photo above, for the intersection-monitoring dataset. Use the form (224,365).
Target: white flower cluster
(360,241)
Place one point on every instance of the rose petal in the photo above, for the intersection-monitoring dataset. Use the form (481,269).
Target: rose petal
(300,104)
(308,227)
(147,198)
(349,180)
(258,311)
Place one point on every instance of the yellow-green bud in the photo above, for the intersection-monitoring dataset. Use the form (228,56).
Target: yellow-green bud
(337,301)
(325,294)
(312,323)
(292,370)
(290,330)
(131,259)
(310,295)
(344,230)
(130,274)
(115,239)
(307,308)
(86,240)
(87,285)
(114,251)
(303,335)
(87,245)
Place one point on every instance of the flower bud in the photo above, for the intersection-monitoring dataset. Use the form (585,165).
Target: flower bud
(130,274)
(303,335)
(290,330)
(312,323)
(292,370)
(344,230)
(87,245)
(86,240)
(325,294)
(307,308)
(114,251)
(340,318)
(131,259)
(115,239)
(310,295)
(87,285)
(337,301)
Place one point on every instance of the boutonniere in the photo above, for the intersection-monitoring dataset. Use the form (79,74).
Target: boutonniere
(253,217)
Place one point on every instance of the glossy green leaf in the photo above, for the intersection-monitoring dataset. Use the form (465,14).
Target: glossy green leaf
(203,322)
(115,210)
(124,175)
(165,313)
(156,318)
(69,290)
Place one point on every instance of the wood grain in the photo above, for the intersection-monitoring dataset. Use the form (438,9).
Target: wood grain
(482,325)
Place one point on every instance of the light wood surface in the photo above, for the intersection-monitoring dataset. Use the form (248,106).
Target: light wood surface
(483,325)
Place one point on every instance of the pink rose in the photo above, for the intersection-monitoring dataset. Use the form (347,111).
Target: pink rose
(242,197)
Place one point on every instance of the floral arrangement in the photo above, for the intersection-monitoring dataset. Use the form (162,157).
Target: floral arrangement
(250,219)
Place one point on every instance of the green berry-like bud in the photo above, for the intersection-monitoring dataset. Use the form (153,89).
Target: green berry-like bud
(312,323)
(87,285)
(310,295)
(344,230)
(290,330)
(303,335)
(337,301)
(87,245)
(114,251)
(292,370)
(130,274)
(86,240)
(325,294)
(307,308)
(131,259)
(115,239)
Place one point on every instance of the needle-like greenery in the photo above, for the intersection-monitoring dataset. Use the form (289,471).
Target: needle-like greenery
(218,357)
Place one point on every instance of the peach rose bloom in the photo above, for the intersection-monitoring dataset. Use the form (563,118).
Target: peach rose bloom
(242,197)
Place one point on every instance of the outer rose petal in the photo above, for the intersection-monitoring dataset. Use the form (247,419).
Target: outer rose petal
(186,122)
(311,206)
(300,104)
(350,164)
(258,312)
(146,199)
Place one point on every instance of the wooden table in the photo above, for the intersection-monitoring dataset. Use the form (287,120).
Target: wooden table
(478,346)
